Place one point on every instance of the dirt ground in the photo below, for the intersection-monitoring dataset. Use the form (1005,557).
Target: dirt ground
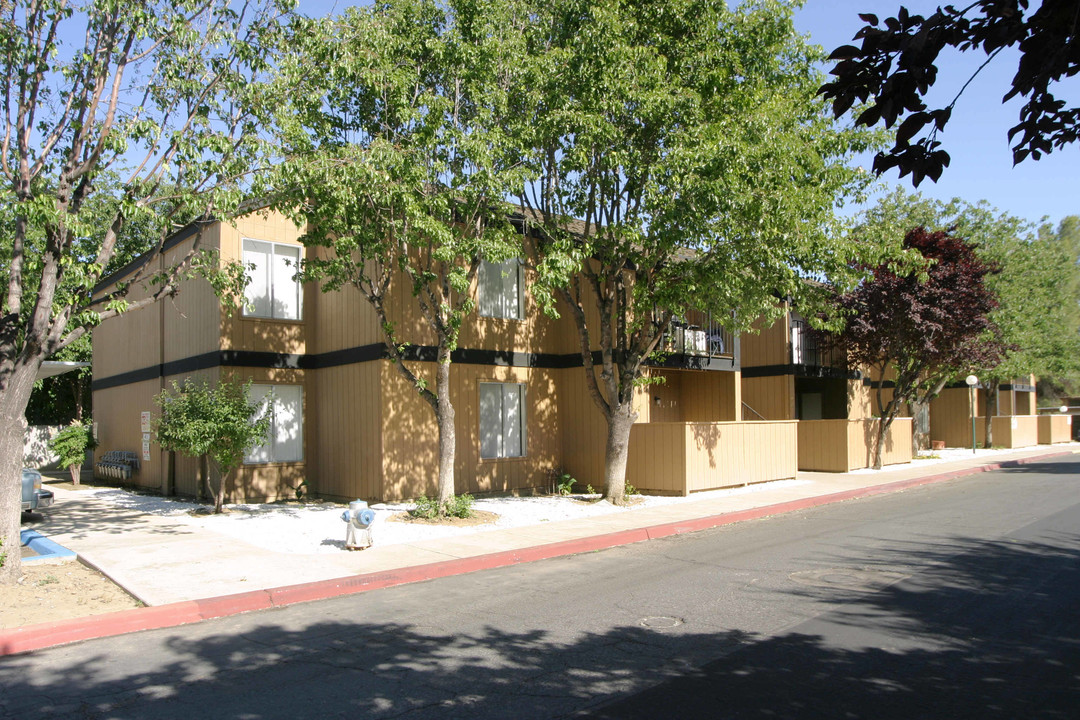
(478,517)
(47,593)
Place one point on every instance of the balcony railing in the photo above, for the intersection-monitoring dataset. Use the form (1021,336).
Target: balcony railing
(808,348)
(699,335)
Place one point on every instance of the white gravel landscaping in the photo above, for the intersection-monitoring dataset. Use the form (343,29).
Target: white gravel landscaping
(316,527)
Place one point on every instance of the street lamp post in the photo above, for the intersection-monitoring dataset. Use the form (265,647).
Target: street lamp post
(972,381)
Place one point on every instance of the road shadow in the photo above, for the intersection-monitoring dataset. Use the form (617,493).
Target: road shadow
(988,630)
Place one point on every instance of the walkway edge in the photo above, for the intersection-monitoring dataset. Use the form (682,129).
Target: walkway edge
(45,635)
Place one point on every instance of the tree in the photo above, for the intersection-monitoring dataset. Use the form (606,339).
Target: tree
(1064,242)
(70,446)
(158,92)
(217,423)
(919,327)
(685,165)
(399,163)
(1036,291)
(894,68)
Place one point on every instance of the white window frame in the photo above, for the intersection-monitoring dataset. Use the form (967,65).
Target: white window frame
(273,450)
(273,269)
(501,289)
(504,436)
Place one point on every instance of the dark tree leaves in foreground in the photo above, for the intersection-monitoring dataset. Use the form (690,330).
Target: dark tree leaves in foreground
(894,68)
(921,328)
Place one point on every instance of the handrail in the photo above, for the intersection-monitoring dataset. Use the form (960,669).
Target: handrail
(745,405)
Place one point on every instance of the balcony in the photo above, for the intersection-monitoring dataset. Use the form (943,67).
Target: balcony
(696,342)
(809,350)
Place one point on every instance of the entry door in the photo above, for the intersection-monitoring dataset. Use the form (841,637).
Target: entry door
(810,406)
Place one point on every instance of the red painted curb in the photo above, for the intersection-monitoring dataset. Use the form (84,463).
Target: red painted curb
(44,635)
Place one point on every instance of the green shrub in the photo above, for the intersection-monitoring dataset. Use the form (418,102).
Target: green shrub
(426,508)
(565,484)
(631,490)
(70,446)
(457,506)
(460,506)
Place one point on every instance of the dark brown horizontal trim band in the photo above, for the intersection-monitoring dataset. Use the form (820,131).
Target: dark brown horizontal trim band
(799,370)
(377,351)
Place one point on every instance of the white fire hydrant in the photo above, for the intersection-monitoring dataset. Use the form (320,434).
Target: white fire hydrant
(358,520)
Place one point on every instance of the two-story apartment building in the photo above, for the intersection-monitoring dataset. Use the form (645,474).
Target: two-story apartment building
(788,373)
(347,423)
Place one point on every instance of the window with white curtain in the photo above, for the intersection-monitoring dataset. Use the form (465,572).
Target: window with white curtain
(501,287)
(502,420)
(271,291)
(285,437)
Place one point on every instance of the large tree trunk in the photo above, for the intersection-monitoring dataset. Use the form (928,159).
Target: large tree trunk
(620,421)
(444,414)
(14,396)
(920,427)
(991,411)
(76,473)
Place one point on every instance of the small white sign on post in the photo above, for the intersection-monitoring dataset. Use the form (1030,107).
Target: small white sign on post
(144,421)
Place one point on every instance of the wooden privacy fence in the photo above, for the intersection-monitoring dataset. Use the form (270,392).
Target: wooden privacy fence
(843,445)
(681,458)
(1054,429)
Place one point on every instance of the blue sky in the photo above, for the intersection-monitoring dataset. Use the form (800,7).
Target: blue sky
(976,137)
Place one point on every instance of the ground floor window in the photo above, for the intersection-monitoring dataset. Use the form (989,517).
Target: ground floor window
(285,438)
(502,420)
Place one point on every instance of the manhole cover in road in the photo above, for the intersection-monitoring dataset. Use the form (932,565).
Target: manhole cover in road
(661,623)
(861,579)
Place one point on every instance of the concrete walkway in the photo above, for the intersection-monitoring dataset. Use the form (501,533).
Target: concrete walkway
(200,573)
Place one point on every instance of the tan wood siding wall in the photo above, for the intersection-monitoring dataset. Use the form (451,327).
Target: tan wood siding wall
(339,319)
(345,417)
(131,341)
(843,445)
(771,397)
(769,346)
(117,414)
(680,458)
(950,417)
(862,436)
(189,321)
(261,334)
(1055,429)
(860,400)
(710,396)
(410,433)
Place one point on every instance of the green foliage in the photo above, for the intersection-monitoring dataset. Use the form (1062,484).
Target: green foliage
(565,484)
(219,422)
(71,443)
(429,508)
(683,140)
(631,490)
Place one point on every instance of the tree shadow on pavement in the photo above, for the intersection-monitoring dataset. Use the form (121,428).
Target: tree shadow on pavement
(980,633)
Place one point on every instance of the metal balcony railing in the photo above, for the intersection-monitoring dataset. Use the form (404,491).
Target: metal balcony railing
(808,349)
(699,335)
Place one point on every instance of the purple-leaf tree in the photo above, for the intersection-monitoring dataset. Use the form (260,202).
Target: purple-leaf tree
(920,328)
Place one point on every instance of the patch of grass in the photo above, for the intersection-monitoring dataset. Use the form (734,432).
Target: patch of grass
(48,580)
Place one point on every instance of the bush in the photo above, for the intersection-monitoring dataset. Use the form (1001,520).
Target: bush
(457,506)
(565,484)
(70,445)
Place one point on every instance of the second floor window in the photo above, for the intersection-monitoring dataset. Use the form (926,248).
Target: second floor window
(271,291)
(501,289)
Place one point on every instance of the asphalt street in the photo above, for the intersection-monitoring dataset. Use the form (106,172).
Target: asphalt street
(952,600)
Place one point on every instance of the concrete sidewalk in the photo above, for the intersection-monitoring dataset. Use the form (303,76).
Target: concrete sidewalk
(187,574)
